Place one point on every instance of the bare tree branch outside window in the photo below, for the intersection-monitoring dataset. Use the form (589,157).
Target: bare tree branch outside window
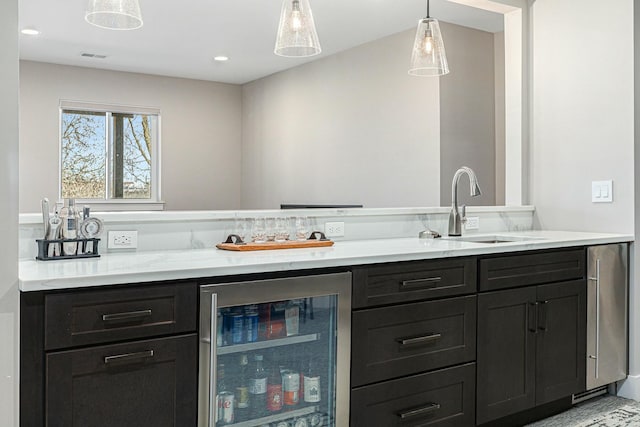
(85,162)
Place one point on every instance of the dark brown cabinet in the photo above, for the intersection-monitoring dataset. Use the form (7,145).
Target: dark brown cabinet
(148,383)
(124,356)
(531,347)
(413,345)
(391,342)
(401,282)
(443,398)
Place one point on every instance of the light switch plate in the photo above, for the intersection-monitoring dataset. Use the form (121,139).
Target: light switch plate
(602,191)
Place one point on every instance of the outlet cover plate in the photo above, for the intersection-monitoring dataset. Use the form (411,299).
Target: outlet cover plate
(473,223)
(334,229)
(123,240)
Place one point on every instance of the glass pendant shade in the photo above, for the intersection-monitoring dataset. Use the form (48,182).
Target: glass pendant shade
(297,36)
(114,14)
(428,57)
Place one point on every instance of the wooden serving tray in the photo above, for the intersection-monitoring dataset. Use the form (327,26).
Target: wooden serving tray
(289,244)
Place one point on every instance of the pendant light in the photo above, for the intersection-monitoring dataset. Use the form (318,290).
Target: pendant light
(428,57)
(114,14)
(297,36)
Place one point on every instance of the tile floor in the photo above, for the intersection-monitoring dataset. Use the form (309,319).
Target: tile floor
(581,414)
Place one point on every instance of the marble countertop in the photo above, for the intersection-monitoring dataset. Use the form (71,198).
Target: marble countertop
(136,267)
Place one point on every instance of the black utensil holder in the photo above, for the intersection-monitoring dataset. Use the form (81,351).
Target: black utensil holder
(81,249)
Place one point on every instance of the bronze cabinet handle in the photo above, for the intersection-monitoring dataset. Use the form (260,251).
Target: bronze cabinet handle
(420,340)
(126,316)
(129,357)
(542,320)
(419,283)
(532,317)
(423,410)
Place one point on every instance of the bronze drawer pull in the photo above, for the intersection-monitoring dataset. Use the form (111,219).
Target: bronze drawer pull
(419,283)
(542,317)
(125,316)
(128,357)
(419,340)
(431,407)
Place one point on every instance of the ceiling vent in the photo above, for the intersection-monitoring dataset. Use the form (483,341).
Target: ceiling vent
(93,55)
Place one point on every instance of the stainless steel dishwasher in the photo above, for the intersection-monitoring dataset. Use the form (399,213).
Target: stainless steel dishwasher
(607,273)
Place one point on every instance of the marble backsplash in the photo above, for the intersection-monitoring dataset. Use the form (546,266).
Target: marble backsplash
(175,230)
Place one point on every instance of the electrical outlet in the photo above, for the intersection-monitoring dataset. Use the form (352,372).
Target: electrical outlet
(334,229)
(123,240)
(473,223)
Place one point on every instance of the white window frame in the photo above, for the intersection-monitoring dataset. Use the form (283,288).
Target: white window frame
(155,201)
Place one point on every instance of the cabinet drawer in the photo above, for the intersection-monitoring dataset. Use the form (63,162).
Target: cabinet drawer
(391,342)
(444,398)
(149,383)
(95,317)
(413,281)
(531,269)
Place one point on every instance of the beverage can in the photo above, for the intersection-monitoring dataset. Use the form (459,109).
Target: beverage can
(282,424)
(237,328)
(251,326)
(220,330)
(242,397)
(315,419)
(301,422)
(312,389)
(291,387)
(225,407)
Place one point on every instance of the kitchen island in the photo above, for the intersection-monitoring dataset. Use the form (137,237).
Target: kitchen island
(475,298)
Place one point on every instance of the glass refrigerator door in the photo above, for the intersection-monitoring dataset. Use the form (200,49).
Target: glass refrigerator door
(277,357)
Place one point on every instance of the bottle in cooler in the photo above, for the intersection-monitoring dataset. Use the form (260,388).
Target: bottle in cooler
(242,389)
(311,382)
(274,390)
(258,388)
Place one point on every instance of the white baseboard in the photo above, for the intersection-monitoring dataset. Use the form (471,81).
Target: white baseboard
(630,388)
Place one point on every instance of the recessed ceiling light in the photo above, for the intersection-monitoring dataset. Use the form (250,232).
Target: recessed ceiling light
(30,31)
(221,58)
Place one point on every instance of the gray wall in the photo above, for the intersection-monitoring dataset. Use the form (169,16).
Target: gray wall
(9,297)
(201,131)
(350,128)
(467,114)
(582,114)
(355,128)
(583,127)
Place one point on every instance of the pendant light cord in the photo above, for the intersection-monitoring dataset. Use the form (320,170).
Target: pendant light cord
(428,9)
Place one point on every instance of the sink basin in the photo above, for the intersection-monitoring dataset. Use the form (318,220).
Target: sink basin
(492,239)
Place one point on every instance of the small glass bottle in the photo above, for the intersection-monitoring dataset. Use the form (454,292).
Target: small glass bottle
(258,389)
(242,390)
(311,382)
(274,389)
(70,222)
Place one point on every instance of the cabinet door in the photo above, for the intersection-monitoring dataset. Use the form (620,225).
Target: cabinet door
(506,353)
(144,383)
(406,339)
(561,340)
(441,398)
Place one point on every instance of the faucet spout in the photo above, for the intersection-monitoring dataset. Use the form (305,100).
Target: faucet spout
(455,220)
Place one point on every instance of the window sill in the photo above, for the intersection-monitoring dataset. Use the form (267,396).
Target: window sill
(120,205)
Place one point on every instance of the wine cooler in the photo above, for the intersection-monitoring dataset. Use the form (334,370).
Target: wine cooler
(275,353)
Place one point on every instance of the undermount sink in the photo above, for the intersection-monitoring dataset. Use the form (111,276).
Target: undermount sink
(493,239)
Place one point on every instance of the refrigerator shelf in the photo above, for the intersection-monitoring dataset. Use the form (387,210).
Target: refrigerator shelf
(259,345)
(277,417)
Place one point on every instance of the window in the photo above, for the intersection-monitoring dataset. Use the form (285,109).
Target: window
(109,154)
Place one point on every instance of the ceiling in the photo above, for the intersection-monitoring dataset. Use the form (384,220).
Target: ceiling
(180,38)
